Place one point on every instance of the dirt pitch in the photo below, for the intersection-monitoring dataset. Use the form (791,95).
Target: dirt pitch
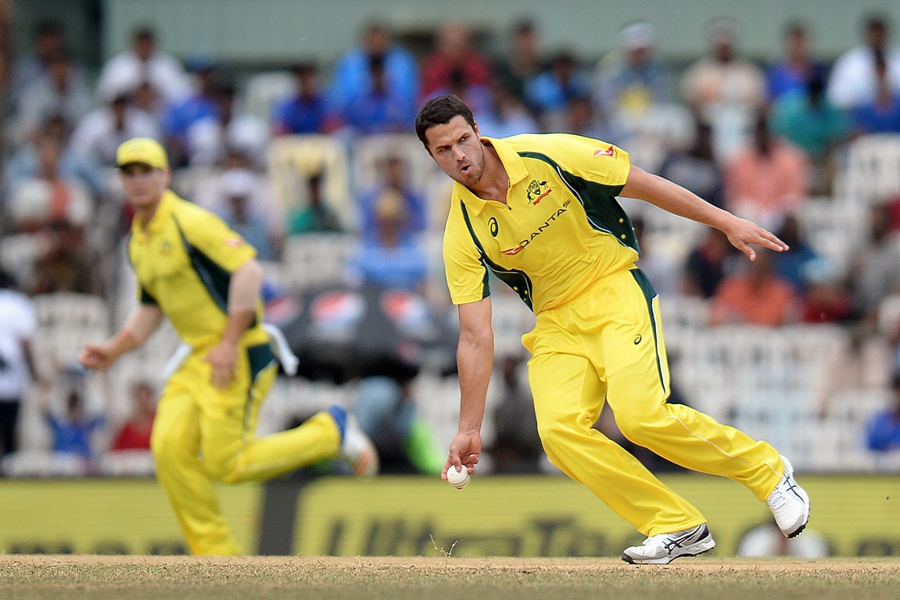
(140,577)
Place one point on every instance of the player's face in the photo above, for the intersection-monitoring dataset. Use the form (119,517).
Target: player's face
(143,185)
(457,149)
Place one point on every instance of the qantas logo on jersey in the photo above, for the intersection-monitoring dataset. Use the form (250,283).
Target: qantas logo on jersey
(534,234)
(537,191)
(611,151)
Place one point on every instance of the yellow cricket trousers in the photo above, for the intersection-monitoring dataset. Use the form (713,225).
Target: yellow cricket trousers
(607,345)
(202,435)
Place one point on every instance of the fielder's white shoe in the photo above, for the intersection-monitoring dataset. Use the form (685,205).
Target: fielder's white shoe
(789,503)
(666,547)
(357,449)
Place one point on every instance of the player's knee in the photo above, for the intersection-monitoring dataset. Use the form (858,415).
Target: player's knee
(638,425)
(165,446)
(554,433)
(223,467)
(217,469)
(631,430)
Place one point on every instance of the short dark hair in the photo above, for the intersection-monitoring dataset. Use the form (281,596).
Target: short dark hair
(440,111)
(7,281)
(876,21)
(48,28)
(795,28)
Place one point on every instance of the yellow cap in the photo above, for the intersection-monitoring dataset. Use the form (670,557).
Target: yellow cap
(142,150)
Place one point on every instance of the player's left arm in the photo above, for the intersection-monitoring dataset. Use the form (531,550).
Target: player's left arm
(219,243)
(243,297)
(671,197)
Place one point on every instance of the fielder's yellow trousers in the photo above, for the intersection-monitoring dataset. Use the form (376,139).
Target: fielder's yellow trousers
(607,346)
(202,435)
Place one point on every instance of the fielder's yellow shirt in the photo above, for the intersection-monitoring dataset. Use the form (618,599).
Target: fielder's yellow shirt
(183,263)
(561,229)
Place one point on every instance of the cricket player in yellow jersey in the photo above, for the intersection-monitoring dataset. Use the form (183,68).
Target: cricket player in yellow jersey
(191,268)
(540,211)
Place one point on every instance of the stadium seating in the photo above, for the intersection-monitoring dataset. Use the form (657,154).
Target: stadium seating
(293,159)
(870,172)
(315,260)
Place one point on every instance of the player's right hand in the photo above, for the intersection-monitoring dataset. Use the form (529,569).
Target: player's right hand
(96,356)
(464,451)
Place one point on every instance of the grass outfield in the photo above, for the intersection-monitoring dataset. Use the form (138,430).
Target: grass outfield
(140,577)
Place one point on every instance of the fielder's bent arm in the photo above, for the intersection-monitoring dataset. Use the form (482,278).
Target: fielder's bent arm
(141,322)
(243,295)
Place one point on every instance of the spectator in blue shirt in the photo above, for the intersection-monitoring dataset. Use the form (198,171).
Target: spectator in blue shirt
(306,112)
(72,432)
(392,260)
(883,431)
(794,264)
(380,108)
(393,169)
(353,78)
(180,116)
(881,115)
(551,91)
(797,69)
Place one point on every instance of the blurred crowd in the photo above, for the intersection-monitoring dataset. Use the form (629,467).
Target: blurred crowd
(329,150)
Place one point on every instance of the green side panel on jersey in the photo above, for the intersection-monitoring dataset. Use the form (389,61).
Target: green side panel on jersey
(515,279)
(215,279)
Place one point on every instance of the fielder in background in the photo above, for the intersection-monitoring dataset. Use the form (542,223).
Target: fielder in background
(191,268)
(540,211)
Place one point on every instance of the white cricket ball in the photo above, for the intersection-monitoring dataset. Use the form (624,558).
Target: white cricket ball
(458,478)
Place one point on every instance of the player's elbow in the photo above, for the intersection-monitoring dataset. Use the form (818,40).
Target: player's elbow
(477,340)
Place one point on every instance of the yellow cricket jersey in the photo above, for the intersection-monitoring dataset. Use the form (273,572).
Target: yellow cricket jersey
(183,263)
(561,229)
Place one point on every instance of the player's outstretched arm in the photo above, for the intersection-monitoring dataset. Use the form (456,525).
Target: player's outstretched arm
(475,357)
(671,197)
(143,321)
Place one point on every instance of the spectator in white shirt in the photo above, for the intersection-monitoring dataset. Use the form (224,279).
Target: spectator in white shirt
(99,134)
(60,92)
(49,39)
(853,80)
(144,62)
(18,323)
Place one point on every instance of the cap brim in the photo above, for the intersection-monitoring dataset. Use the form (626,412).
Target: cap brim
(138,162)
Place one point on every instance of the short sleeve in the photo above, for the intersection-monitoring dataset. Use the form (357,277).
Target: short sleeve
(208,234)
(141,295)
(467,275)
(597,161)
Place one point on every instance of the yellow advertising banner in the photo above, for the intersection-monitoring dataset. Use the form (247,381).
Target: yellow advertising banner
(108,516)
(418,516)
(554,516)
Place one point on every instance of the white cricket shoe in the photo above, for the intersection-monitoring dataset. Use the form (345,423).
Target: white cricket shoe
(789,503)
(664,548)
(356,449)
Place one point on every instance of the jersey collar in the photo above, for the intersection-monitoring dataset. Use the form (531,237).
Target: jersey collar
(160,217)
(512,162)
